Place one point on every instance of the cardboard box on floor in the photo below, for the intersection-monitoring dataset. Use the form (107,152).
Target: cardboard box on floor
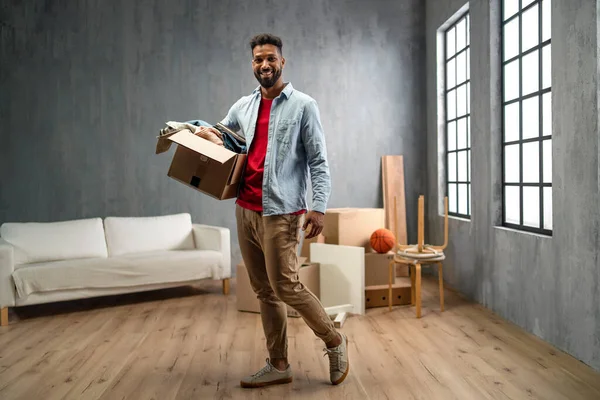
(309,275)
(205,166)
(377,269)
(352,226)
(377,296)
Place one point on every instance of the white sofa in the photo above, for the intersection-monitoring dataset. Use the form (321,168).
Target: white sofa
(55,261)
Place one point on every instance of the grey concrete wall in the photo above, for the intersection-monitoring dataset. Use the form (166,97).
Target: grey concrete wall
(86,85)
(547,285)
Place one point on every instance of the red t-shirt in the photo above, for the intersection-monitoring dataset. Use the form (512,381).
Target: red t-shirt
(250,195)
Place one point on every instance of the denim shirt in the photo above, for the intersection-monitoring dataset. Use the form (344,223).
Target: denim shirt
(295,148)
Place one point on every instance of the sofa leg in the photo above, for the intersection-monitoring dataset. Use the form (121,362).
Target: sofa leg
(226,286)
(4,316)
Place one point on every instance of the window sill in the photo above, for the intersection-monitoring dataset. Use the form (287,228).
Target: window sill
(520,232)
(453,217)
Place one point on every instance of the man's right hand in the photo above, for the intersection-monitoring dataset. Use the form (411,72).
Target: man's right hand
(211,134)
(315,220)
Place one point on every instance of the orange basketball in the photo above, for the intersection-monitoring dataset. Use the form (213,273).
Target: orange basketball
(382,240)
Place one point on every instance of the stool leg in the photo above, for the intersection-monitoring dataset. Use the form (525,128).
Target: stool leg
(412,284)
(441,279)
(418,289)
(390,279)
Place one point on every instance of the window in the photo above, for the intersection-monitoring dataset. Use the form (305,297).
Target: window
(526,115)
(458,112)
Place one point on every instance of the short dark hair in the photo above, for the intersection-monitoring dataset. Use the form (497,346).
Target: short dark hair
(266,38)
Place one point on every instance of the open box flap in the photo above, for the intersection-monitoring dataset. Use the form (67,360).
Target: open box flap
(193,142)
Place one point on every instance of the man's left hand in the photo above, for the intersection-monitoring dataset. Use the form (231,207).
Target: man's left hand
(210,134)
(316,221)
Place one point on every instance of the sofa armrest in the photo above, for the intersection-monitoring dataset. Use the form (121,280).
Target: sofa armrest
(215,238)
(7,267)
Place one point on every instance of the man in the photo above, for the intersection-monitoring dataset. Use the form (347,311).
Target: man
(285,141)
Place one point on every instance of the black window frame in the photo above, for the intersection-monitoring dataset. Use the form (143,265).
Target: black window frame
(542,136)
(467,116)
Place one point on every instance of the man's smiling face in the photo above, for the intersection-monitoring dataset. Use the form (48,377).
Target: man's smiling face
(267,64)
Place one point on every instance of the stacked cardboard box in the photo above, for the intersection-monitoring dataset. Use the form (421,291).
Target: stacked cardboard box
(377,269)
(377,296)
(354,227)
(377,281)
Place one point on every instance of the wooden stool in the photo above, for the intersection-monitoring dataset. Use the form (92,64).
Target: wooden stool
(417,256)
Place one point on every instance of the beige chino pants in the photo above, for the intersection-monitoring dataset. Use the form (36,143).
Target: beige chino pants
(269,249)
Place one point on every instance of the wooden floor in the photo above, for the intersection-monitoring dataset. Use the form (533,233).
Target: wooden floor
(192,343)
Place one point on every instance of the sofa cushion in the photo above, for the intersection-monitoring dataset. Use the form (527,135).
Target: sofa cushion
(123,271)
(36,242)
(128,235)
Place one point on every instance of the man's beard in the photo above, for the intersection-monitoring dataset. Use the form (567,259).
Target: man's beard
(270,81)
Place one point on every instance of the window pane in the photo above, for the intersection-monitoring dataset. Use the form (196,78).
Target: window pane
(451,136)
(451,99)
(511,122)
(531,206)
(531,117)
(531,72)
(511,163)
(547,208)
(531,162)
(511,80)
(461,65)
(452,198)
(530,28)
(547,114)
(462,198)
(546,66)
(546,20)
(510,8)
(461,35)
(462,133)
(547,160)
(525,3)
(451,74)
(461,101)
(451,167)
(511,39)
(511,201)
(462,166)
(450,42)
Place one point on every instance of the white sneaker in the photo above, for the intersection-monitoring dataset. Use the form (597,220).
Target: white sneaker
(268,375)
(338,361)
